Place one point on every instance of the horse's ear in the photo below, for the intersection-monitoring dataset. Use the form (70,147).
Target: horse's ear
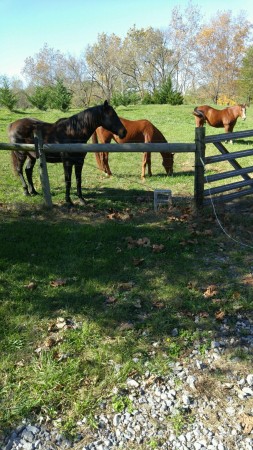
(106,104)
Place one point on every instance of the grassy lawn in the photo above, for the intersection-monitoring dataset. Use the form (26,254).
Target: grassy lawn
(91,288)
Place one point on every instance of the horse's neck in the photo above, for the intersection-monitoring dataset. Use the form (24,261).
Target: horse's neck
(234,111)
(90,120)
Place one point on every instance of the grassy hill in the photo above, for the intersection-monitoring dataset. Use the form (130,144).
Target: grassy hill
(85,288)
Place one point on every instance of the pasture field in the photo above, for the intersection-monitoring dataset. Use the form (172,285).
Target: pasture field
(89,289)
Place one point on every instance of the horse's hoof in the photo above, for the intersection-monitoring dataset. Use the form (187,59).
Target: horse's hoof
(82,201)
(69,203)
(34,193)
(26,193)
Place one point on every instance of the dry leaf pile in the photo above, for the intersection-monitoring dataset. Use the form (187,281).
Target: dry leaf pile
(55,337)
(144,242)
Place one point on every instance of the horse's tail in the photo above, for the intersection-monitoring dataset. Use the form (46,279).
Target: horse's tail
(14,157)
(197,112)
(98,155)
(14,160)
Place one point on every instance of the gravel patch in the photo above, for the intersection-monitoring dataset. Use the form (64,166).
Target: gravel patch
(205,402)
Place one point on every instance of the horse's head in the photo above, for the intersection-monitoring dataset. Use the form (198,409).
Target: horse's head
(111,121)
(168,160)
(243,111)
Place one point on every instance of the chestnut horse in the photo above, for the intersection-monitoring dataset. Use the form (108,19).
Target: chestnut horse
(219,118)
(137,131)
(75,129)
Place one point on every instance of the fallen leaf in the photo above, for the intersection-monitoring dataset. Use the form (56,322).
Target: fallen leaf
(219,315)
(150,380)
(248,279)
(143,242)
(158,305)
(110,300)
(137,304)
(210,291)
(192,284)
(217,300)
(119,216)
(189,241)
(126,286)
(58,356)
(60,324)
(246,422)
(138,261)
(50,342)
(31,286)
(56,283)
(203,314)
(207,233)
(126,326)
(157,248)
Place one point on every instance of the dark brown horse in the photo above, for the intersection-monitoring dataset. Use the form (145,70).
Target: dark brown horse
(137,131)
(75,129)
(219,118)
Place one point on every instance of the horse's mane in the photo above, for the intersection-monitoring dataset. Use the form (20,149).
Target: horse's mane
(83,119)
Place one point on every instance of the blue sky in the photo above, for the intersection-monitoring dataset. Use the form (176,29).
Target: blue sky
(69,26)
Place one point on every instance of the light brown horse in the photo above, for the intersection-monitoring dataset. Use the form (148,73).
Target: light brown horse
(219,118)
(138,131)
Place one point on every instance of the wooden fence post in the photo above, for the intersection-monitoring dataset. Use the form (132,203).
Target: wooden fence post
(43,167)
(199,166)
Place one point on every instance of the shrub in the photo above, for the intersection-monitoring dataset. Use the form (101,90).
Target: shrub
(7,97)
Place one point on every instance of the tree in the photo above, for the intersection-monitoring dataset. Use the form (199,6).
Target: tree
(102,63)
(7,97)
(60,97)
(221,47)
(182,36)
(40,98)
(78,81)
(246,76)
(166,94)
(145,60)
(45,68)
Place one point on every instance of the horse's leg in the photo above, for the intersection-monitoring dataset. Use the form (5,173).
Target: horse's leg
(146,160)
(105,158)
(67,173)
(29,174)
(229,129)
(18,164)
(149,164)
(78,172)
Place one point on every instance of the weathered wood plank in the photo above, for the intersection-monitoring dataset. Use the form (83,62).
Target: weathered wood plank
(228,157)
(224,198)
(233,162)
(228,187)
(114,148)
(228,136)
(228,174)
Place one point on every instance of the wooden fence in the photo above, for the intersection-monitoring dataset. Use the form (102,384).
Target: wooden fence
(239,188)
(202,196)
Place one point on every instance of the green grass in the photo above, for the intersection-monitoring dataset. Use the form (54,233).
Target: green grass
(86,248)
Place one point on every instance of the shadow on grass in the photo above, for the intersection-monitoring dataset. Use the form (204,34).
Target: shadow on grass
(95,260)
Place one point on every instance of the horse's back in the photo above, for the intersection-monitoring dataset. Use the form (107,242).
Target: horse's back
(22,130)
(141,130)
